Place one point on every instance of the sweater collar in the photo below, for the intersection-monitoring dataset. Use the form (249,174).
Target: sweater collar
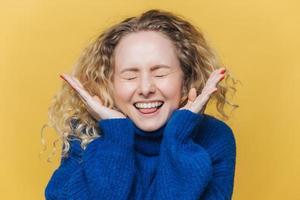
(148,142)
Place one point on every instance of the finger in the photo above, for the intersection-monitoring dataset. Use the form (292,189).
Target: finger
(203,98)
(200,102)
(192,94)
(219,74)
(218,71)
(76,85)
(80,89)
(213,91)
(97,99)
(222,70)
(215,79)
(221,78)
(208,92)
(205,95)
(77,81)
(66,78)
(71,81)
(209,88)
(212,76)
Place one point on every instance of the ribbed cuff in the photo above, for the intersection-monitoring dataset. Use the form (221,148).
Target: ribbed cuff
(181,124)
(117,131)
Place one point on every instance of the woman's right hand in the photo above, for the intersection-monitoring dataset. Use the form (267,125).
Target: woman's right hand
(93,103)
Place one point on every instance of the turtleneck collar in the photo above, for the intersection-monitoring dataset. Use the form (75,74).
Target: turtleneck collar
(148,142)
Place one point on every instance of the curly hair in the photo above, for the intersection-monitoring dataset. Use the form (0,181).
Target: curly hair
(94,69)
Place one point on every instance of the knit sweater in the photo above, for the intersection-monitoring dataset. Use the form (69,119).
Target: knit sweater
(191,157)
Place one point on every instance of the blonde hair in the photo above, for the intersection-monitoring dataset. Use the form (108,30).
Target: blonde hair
(94,69)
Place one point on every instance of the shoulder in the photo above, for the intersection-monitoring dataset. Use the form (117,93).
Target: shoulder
(69,164)
(215,133)
(216,124)
(75,151)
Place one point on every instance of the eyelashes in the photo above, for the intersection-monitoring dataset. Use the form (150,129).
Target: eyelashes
(161,75)
(157,76)
(130,78)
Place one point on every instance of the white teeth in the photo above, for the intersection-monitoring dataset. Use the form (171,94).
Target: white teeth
(148,105)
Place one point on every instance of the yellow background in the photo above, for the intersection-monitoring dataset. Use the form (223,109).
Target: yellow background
(257,39)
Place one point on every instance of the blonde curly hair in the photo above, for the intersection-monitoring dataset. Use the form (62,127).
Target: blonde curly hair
(94,69)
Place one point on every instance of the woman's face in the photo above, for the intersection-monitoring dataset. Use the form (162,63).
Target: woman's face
(148,79)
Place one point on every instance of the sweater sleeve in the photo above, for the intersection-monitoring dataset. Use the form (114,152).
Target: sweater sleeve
(221,185)
(62,174)
(185,169)
(108,165)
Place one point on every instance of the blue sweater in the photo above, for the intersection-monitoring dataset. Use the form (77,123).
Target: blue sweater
(191,157)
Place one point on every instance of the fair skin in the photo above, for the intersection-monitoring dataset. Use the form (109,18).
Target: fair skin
(146,70)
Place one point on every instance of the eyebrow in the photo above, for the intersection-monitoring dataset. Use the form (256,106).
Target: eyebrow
(134,69)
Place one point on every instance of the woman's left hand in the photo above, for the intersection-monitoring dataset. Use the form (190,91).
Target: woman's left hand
(196,103)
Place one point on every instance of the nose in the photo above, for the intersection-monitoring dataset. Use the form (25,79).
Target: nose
(146,86)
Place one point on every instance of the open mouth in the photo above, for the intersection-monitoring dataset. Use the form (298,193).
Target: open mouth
(149,108)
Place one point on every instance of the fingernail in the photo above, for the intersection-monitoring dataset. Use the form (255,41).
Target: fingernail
(61,77)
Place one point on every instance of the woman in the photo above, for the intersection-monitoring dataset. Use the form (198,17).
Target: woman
(132,122)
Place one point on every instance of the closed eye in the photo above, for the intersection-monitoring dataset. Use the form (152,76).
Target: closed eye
(161,75)
(129,75)
(161,72)
(131,78)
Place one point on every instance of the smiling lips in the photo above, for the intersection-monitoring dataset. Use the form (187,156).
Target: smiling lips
(148,108)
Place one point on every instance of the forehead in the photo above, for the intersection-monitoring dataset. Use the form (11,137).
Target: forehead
(145,49)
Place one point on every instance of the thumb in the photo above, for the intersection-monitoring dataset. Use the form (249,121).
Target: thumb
(192,95)
(191,98)
(97,99)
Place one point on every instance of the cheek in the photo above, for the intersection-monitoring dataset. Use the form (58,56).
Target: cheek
(123,92)
(171,90)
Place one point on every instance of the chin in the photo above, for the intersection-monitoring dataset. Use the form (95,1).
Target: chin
(151,122)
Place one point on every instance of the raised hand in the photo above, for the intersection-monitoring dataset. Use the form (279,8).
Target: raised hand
(196,103)
(93,103)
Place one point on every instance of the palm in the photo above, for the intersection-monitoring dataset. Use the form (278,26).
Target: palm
(93,103)
(197,103)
